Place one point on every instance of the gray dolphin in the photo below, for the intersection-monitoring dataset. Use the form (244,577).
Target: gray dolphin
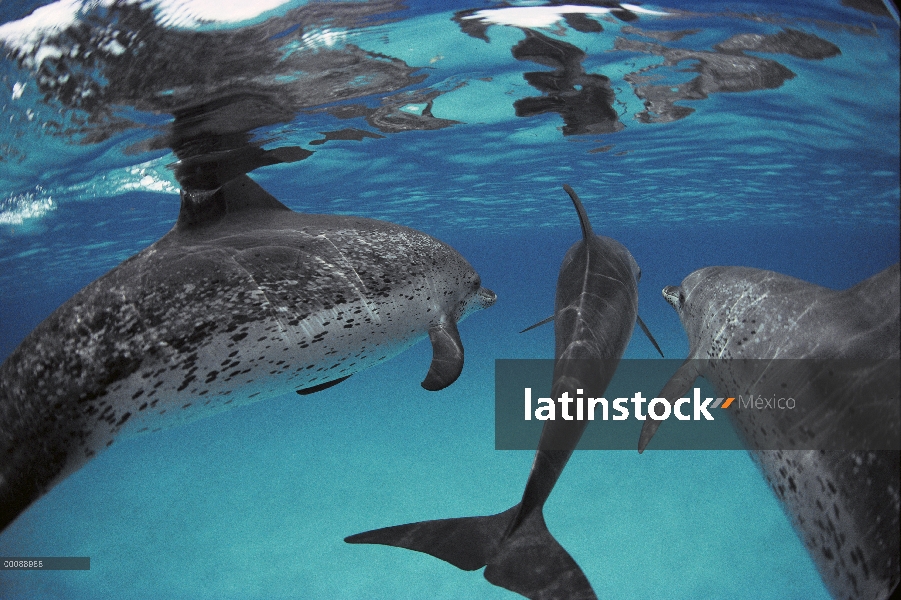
(844,504)
(242,300)
(595,310)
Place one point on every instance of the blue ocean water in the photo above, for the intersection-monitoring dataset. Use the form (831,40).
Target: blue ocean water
(800,178)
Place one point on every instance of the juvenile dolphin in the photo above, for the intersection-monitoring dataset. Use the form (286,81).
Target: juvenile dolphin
(595,310)
(242,300)
(844,503)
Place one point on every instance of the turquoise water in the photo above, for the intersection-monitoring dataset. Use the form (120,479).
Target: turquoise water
(255,502)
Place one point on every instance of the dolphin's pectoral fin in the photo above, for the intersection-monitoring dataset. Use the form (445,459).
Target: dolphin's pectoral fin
(447,356)
(676,387)
(538,324)
(321,386)
(647,332)
(527,560)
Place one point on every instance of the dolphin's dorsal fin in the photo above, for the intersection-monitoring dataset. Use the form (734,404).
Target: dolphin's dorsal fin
(587,233)
(205,207)
(243,193)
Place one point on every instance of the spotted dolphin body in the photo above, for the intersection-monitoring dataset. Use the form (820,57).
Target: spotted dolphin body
(595,310)
(844,503)
(242,300)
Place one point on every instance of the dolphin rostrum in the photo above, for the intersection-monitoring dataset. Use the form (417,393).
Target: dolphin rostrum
(834,466)
(242,300)
(595,310)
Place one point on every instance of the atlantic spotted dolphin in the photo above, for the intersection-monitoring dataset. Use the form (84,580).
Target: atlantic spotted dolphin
(242,300)
(595,310)
(842,498)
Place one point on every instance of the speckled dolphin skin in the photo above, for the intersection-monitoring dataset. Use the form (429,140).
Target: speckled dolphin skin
(595,311)
(843,504)
(242,300)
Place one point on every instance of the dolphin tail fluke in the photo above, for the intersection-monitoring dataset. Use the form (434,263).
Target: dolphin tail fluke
(528,560)
(468,543)
(532,563)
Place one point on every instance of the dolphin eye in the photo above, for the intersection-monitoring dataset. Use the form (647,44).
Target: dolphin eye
(681,298)
(638,276)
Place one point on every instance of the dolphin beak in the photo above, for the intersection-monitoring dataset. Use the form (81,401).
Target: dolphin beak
(485,297)
(671,295)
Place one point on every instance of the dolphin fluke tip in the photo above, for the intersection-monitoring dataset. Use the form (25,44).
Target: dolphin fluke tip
(528,561)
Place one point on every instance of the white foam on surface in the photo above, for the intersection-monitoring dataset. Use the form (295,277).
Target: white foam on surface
(150,176)
(546,16)
(28,32)
(191,13)
(17,209)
